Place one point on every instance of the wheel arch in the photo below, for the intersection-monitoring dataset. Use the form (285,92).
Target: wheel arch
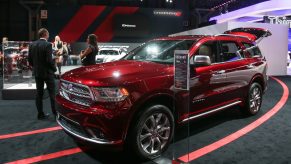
(159,98)
(258,79)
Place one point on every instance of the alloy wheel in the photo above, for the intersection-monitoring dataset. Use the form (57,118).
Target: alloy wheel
(255,99)
(155,133)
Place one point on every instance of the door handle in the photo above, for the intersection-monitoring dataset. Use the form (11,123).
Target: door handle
(219,72)
(250,66)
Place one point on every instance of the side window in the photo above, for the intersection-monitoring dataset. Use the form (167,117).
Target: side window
(208,49)
(253,50)
(230,51)
(183,45)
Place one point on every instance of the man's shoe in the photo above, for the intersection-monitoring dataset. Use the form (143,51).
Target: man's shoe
(43,116)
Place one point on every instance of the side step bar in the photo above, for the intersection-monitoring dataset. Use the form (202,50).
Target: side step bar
(211,111)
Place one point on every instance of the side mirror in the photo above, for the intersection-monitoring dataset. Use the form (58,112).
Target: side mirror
(201,61)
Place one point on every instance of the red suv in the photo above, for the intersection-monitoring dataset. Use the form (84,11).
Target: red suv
(133,101)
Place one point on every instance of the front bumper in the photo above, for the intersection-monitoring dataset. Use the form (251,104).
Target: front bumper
(93,124)
(81,134)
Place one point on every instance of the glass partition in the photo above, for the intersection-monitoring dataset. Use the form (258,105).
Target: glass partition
(181,105)
(17,74)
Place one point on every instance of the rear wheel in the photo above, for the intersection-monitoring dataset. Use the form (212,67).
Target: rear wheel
(152,132)
(254,99)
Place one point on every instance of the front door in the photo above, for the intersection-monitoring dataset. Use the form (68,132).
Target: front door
(206,82)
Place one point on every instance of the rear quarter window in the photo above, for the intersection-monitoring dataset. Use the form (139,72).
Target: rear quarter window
(252,50)
(230,51)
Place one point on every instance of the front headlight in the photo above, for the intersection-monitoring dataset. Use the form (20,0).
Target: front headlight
(109,94)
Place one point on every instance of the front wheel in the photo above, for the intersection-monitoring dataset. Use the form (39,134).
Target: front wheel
(152,132)
(254,99)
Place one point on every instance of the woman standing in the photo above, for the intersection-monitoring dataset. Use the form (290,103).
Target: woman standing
(59,50)
(88,56)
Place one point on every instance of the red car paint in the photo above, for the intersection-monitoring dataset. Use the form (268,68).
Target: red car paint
(149,81)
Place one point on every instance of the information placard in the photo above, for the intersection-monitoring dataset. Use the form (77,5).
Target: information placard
(181,74)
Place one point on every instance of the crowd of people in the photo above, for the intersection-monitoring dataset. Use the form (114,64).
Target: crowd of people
(45,59)
(63,54)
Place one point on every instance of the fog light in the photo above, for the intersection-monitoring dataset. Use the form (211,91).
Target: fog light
(96,133)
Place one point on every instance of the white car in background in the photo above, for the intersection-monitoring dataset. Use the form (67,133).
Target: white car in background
(109,54)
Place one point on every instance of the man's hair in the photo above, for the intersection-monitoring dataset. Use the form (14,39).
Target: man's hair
(42,32)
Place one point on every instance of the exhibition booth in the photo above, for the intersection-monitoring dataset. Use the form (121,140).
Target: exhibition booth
(214,94)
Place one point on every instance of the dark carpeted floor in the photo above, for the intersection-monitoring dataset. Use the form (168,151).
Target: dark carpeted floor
(269,143)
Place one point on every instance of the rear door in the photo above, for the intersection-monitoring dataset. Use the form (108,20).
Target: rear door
(236,69)
(256,60)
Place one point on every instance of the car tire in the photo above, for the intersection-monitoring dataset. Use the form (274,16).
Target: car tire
(152,132)
(254,99)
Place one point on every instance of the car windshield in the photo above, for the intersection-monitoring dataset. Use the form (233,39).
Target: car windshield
(160,51)
(108,52)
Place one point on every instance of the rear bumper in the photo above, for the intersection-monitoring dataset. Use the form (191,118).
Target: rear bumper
(94,124)
(266,79)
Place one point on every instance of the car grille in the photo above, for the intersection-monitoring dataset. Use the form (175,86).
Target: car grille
(76,93)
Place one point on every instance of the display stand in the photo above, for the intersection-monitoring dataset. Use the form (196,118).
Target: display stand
(21,91)
(181,91)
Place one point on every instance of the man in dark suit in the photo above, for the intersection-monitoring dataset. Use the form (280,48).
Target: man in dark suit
(40,58)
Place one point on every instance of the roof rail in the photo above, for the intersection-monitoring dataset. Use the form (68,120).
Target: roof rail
(188,35)
(232,35)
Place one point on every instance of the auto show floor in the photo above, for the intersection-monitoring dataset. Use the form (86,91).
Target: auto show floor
(225,137)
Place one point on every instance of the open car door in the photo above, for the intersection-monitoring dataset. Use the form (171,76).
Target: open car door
(254,34)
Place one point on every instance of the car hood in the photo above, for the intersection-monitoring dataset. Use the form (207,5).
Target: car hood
(117,73)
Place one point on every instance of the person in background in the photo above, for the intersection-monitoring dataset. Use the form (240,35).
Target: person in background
(7,66)
(69,54)
(58,46)
(1,60)
(43,67)
(4,42)
(65,54)
(88,56)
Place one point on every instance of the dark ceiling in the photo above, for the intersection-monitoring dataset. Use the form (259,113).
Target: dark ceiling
(232,3)
(217,5)
(206,4)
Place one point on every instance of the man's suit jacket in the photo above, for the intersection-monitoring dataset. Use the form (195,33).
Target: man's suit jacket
(40,58)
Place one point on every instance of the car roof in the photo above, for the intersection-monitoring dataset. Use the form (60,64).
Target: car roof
(196,37)
(183,37)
